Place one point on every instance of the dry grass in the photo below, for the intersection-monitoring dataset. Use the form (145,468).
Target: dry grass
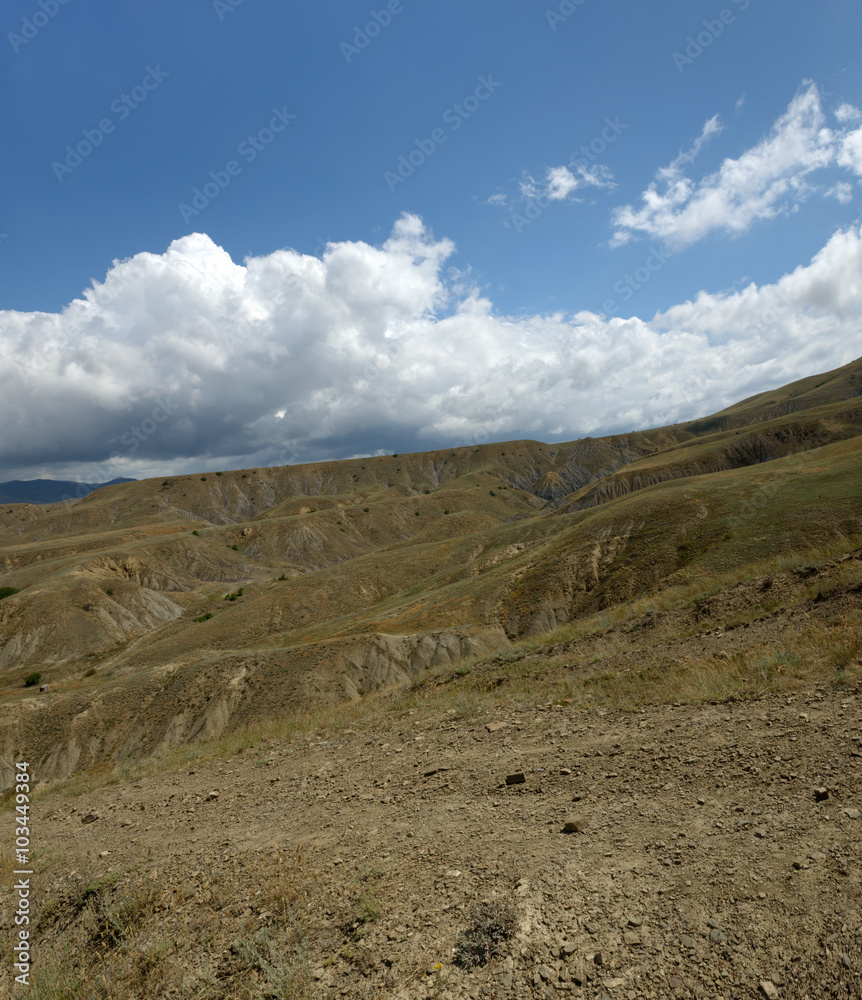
(235,928)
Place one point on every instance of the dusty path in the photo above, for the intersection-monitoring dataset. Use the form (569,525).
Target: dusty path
(706,868)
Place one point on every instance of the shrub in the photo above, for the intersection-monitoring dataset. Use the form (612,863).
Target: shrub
(203,479)
(218,473)
(235,548)
(8,592)
(492,924)
(31,680)
(234,596)
(365,509)
(195,532)
(109,592)
(204,618)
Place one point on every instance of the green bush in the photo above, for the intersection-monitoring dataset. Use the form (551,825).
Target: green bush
(32,680)
(8,592)
(204,618)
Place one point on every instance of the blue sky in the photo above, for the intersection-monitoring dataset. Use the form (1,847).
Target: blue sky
(592,184)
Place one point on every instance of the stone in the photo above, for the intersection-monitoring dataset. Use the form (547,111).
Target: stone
(516,779)
(635,921)
(821,794)
(632,938)
(436,769)
(574,824)
(568,949)
(852,813)
(598,958)
(768,989)
(213,795)
(687,941)
(495,727)
(716,937)
(91,817)
(713,922)
(546,973)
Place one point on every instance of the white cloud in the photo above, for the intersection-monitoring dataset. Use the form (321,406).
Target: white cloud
(188,360)
(561,182)
(767,180)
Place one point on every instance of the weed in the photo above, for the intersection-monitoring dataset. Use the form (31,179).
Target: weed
(204,618)
(492,924)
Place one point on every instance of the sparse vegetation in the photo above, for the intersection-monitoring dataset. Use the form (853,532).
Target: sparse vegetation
(204,618)
(8,592)
(31,680)
(234,595)
(491,926)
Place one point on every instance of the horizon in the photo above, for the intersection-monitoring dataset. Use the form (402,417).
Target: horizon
(301,240)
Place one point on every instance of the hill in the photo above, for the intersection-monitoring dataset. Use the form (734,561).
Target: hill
(290,699)
(43,491)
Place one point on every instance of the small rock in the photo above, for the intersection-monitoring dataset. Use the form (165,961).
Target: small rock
(495,727)
(635,921)
(568,949)
(591,928)
(598,958)
(674,983)
(821,794)
(798,865)
(91,817)
(687,941)
(574,824)
(213,795)
(632,938)
(701,801)
(768,989)
(546,973)
(852,813)
(716,937)
(712,922)
(516,779)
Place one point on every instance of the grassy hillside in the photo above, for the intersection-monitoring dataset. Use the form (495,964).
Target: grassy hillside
(165,611)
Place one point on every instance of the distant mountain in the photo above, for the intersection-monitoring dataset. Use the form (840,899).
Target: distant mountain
(49,490)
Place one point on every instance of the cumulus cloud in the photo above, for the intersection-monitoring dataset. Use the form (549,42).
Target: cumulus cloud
(187,359)
(770,179)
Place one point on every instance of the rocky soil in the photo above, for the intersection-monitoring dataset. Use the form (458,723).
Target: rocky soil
(714,852)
